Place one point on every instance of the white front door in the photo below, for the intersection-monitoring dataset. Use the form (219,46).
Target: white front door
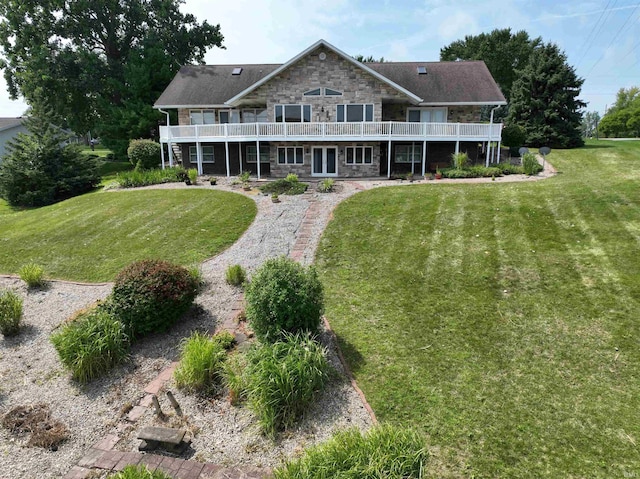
(324,161)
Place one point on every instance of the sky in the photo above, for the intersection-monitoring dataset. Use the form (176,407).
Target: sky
(600,38)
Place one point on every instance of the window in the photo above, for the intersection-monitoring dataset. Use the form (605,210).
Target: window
(422,70)
(237,71)
(293,113)
(314,92)
(427,115)
(202,117)
(229,116)
(254,115)
(405,153)
(354,112)
(332,92)
(357,155)
(291,155)
(251,154)
(207,155)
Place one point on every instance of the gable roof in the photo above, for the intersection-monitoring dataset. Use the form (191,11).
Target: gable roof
(8,123)
(445,83)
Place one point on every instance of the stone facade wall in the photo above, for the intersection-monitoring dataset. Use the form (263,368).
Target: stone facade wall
(356,85)
(464,114)
(344,170)
(183,116)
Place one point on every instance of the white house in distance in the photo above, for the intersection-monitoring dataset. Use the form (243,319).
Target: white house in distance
(9,129)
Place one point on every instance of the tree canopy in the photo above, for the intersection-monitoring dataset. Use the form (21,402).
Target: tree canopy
(544,100)
(623,118)
(99,65)
(369,59)
(503,52)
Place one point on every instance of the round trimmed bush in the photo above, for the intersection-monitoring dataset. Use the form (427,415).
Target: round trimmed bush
(284,297)
(151,295)
(144,154)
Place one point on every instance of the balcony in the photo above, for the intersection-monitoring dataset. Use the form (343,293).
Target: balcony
(368,131)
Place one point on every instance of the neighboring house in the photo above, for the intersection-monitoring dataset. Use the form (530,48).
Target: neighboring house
(325,114)
(9,129)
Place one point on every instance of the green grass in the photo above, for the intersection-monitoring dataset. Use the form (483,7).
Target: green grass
(99,151)
(109,170)
(500,318)
(92,237)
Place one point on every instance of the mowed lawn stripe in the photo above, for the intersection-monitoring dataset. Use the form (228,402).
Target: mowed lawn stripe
(537,381)
(92,237)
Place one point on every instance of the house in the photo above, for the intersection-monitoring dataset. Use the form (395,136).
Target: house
(9,129)
(324,114)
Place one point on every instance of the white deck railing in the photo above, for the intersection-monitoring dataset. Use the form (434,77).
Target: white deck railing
(381,130)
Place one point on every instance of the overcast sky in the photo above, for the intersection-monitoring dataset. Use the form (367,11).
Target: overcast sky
(600,38)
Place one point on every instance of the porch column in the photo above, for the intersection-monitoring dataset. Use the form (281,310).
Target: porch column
(499,152)
(240,155)
(413,150)
(424,157)
(457,146)
(226,157)
(389,160)
(199,157)
(258,156)
(170,150)
(162,154)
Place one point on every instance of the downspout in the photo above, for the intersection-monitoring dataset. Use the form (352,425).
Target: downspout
(169,149)
(490,131)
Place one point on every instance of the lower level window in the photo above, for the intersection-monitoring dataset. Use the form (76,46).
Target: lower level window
(357,155)
(207,154)
(291,155)
(408,153)
(251,154)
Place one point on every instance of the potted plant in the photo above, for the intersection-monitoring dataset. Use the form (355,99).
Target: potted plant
(438,174)
(213,180)
(246,186)
(275,198)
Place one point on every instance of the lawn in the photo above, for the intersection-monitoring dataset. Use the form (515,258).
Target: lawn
(501,318)
(92,237)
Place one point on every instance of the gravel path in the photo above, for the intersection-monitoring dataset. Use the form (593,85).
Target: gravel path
(31,373)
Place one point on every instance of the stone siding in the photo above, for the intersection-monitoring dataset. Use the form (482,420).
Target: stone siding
(464,114)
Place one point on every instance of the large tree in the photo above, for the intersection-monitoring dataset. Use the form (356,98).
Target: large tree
(504,53)
(623,118)
(544,100)
(99,64)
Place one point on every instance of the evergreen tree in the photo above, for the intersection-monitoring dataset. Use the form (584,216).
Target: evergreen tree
(544,100)
(42,168)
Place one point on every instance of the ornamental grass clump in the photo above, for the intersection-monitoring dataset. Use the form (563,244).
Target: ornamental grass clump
(384,451)
(91,344)
(139,472)
(530,164)
(32,274)
(284,297)
(10,313)
(282,379)
(235,275)
(201,361)
(151,296)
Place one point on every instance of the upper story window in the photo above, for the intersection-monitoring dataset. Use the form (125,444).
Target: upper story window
(314,92)
(427,115)
(356,112)
(254,115)
(293,113)
(320,91)
(202,117)
(332,92)
(229,116)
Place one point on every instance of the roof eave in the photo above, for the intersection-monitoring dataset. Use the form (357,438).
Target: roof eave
(462,103)
(235,100)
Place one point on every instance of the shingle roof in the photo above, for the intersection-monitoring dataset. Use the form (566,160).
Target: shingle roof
(6,123)
(445,82)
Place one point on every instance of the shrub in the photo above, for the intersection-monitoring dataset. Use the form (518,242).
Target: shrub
(514,137)
(139,472)
(193,175)
(291,178)
(530,164)
(459,160)
(32,274)
(384,451)
(137,178)
(235,275)
(201,361)
(91,344)
(144,154)
(151,295)
(284,187)
(283,378)
(41,168)
(509,169)
(10,313)
(326,185)
(244,176)
(283,296)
